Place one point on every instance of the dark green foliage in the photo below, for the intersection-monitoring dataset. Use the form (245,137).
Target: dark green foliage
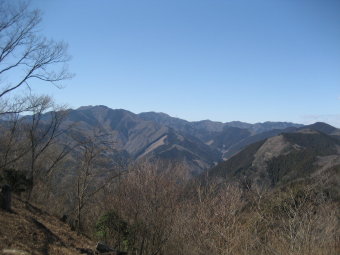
(321,143)
(296,164)
(299,162)
(17,179)
(112,227)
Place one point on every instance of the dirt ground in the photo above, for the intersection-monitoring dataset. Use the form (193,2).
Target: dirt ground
(29,230)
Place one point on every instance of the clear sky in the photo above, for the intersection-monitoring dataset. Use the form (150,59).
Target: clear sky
(224,60)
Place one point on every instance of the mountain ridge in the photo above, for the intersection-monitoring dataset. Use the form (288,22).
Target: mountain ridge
(201,144)
(284,158)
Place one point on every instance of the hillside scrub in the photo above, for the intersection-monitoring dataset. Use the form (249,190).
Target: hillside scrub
(154,208)
(161,212)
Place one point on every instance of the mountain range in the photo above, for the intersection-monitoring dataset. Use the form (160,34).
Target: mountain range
(200,144)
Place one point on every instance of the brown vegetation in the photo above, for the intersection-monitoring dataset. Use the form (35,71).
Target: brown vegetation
(31,230)
(154,210)
(150,207)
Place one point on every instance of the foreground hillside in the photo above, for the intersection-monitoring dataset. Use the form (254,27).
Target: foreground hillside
(156,214)
(29,230)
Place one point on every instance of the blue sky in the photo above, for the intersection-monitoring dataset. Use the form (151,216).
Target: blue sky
(248,60)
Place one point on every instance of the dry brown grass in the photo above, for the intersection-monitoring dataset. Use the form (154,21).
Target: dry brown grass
(31,230)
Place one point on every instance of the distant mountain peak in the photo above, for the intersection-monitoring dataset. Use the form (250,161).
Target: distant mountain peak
(322,127)
(155,113)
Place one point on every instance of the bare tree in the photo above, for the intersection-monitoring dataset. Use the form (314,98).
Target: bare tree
(148,199)
(13,147)
(305,221)
(95,168)
(25,55)
(42,129)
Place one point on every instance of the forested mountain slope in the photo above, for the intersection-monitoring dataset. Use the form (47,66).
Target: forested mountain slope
(285,158)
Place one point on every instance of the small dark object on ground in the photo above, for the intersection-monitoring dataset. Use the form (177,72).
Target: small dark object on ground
(5,198)
(64,218)
(103,248)
(86,251)
(107,250)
